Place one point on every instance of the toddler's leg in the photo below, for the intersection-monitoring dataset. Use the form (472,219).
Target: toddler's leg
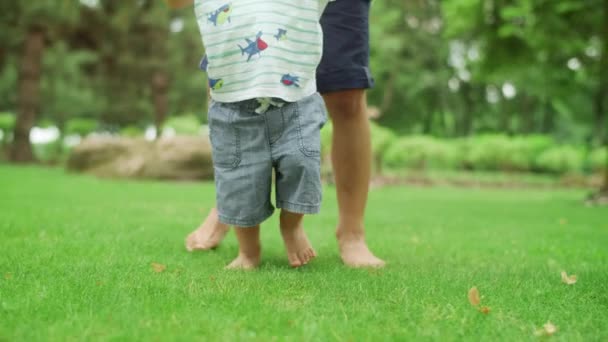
(249,248)
(299,250)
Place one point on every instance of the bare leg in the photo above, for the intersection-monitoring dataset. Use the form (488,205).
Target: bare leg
(351,159)
(208,235)
(249,248)
(299,250)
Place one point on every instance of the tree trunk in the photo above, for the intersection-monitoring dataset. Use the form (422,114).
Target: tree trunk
(604,188)
(527,123)
(160,86)
(28,95)
(548,121)
(506,115)
(427,123)
(389,91)
(466,121)
(602,91)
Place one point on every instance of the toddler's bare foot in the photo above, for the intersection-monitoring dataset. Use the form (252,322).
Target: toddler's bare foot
(355,253)
(208,235)
(299,250)
(244,262)
(249,248)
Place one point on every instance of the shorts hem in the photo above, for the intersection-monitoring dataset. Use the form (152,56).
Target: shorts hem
(245,222)
(355,78)
(299,208)
(360,84)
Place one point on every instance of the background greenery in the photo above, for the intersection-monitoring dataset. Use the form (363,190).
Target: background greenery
(526,77)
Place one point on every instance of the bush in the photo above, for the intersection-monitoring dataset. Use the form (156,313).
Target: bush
(497,152)
(48,153)
(80,126)
(597,159)
(131,131)
(184,125)
(7,122)
(561,159)
(382,139)
(532,146)
(422,152)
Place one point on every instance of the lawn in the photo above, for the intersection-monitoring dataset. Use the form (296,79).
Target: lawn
(76,259)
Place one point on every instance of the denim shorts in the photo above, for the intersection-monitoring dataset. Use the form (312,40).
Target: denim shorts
(247,147)
(345,62)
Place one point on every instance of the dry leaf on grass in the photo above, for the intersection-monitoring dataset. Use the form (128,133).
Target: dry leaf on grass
(568,279)
(8,276)
(474,296)
(548,330)
(158,268)
(475,300)
(563,221)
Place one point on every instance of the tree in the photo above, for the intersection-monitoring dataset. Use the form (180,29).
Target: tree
(32,23)
(602,93)
(67,91)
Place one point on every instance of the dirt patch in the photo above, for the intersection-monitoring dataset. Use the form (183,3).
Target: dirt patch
(421,180)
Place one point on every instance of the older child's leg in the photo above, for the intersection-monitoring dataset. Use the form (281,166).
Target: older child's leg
(249,248)
(299,250)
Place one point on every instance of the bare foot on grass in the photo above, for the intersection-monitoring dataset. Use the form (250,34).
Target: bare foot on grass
(299,250)
(355,253)
(249,248)
(208,235)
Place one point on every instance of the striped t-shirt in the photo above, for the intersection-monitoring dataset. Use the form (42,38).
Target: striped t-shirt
(261,48)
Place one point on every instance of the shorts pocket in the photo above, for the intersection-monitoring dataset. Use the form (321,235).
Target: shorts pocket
(312,115)
(225,142)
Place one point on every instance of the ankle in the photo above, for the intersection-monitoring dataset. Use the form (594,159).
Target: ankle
(251,251)
(350,232)
(289,228)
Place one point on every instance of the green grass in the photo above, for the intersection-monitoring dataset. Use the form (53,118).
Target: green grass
(76,254)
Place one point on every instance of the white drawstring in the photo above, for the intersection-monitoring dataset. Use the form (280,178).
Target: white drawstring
(265,103)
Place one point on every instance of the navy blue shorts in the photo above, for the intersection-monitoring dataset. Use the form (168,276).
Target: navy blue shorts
(345,62)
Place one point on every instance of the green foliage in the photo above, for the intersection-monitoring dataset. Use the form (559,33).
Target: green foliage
(7,122)
(422,152)
(132,131)
(80,126)
(442,69)
(561,159)
(187,124)
(67,92)
(382,139)
(490,153)
(495,152)
(49,152)
(598,159)
(326,138)
(8,84)
(503,153)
